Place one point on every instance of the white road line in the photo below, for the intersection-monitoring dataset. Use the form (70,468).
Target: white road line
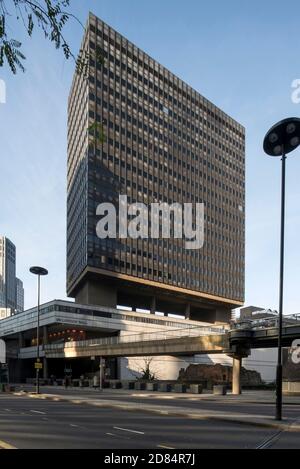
(128,430)
(165,447)
(73,425)
(7,410)
(38,412)
(4,445)
(268,442)
(120,437)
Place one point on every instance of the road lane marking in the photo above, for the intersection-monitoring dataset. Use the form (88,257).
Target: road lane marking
(4,445)
(267,443)
(118,436)
(7,410)
(73,425)
(165,447)
(38,412)
(128,430)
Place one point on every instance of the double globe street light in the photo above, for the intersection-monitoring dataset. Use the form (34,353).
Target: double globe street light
(281,139)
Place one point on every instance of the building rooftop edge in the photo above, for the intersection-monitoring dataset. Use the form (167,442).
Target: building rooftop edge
(92,15)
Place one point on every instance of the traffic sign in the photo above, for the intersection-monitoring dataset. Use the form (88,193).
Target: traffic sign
(38,365)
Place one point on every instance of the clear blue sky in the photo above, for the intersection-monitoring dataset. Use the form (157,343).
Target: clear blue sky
(243,56)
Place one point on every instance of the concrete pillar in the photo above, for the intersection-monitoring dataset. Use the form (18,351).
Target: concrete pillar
(45,368)
(45,361)
(153,305)
(187,311)
(118,368)
(222,316)
(45,335)
(97,292)
(21,340)
(236,376)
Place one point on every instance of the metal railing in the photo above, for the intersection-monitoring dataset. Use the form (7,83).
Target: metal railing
(265,323)
(30,350)
(191,331)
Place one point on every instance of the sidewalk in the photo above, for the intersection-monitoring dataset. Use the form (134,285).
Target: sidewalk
(102,400)
(247,397)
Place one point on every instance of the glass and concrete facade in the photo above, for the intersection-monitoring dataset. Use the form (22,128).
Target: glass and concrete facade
(136,129)
(7,273)
(19,295)
(63,321)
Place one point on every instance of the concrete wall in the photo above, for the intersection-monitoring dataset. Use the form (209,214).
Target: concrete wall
(261,360)
(264,361)
(167,367)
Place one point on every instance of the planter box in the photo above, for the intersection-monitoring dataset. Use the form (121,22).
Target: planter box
(179,388)
(128,384)
(116,384)
(196,388)
(8,388)
(152,386)
(220,389)
(139,386)
(165,387)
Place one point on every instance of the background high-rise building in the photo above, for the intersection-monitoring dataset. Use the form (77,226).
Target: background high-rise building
(11,287)
(7,273)
(19,295)
(134,128)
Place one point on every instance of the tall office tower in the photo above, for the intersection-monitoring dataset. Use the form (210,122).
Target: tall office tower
(136,129)
(19,295)
(7,273)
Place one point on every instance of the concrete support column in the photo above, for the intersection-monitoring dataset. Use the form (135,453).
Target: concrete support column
(96,292)
(153,305)
(45,368)
(45,360)
(21,340)
(118,368)
(45,335)
(187,311)
(236,376)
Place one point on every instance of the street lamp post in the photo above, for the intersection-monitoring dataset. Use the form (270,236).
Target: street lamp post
(38,271)
(281,139)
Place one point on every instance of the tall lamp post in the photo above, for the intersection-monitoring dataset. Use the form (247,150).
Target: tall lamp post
(38,271)
(281,139)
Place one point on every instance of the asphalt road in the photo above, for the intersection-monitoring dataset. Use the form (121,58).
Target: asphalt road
(35,423)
